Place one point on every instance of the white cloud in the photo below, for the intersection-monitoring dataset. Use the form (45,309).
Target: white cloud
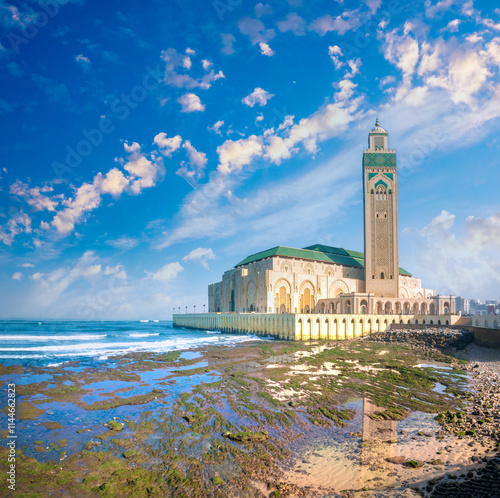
(258,96)
(431,10)
(87,198)
(113,183)
(17,224)
(294,23)
(175,61)
(327,122)
(117,271)
(206,64)
(187,63)
(197,162)
(27,265)
(373,5)
(167,145)
(201,254)
(453,25)
(469,265)
(83,61)
(262,10)
(166,273)
(123,242)
(216,127)
(334,52)
(349,20)
(34,196)
(265,49)
(17,276)
(190,103)
(142,173)
(233,155)
(227,43)
(403,51)
(255,30)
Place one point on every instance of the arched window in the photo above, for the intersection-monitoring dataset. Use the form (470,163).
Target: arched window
(382,276)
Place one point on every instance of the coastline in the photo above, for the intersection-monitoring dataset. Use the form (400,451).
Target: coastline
(262,418)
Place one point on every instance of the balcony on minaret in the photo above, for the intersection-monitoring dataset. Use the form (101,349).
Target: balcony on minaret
(378,140)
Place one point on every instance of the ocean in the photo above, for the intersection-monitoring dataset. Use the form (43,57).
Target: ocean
(53,343)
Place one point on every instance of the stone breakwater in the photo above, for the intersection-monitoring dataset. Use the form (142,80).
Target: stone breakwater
(480,422)
(435,340)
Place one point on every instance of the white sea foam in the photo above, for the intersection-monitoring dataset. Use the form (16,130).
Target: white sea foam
(41,338)
(143,335)
(117,348)
(144,321)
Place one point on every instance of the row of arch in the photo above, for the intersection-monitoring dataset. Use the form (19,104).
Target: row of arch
(490,322)
(299,327)
(382,308)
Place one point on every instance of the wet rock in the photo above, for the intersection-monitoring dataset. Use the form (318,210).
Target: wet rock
(247,436)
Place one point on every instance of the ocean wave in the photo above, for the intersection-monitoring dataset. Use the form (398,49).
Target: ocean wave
(143,335)
(40,338)
(114,349)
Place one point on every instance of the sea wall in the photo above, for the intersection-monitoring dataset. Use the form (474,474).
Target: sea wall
(489,338)
(304,327)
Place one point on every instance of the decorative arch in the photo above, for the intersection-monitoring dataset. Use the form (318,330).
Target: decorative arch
(282,295)
(286,267)
(337,287)
(329,271)
(403,293)
(250,304)
(363,307)
(306,296)
(308,269)
(419,296)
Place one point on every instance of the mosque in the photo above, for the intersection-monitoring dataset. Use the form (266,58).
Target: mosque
(320,279)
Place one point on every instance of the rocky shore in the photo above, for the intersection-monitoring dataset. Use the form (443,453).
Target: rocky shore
(479,422)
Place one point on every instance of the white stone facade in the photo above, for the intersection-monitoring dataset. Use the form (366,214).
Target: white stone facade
(287,285)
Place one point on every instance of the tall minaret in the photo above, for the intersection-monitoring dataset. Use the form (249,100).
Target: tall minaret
(380,195)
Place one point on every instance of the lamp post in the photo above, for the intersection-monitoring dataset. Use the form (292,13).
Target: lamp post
(203,308)
(186,310)
(173,311)
(194,308)
(179,310)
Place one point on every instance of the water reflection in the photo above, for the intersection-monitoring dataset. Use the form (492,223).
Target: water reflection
(378,438)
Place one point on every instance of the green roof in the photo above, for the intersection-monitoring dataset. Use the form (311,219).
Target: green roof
(317,252)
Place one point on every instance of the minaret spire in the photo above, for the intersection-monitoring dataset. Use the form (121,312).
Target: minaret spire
(377,122)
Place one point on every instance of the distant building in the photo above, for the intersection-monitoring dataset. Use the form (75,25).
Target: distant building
(463,305)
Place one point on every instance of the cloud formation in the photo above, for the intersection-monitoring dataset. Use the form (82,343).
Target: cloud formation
(258,97)
(202,255)
(190,102)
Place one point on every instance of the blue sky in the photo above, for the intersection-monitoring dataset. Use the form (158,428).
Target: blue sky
(149,146)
